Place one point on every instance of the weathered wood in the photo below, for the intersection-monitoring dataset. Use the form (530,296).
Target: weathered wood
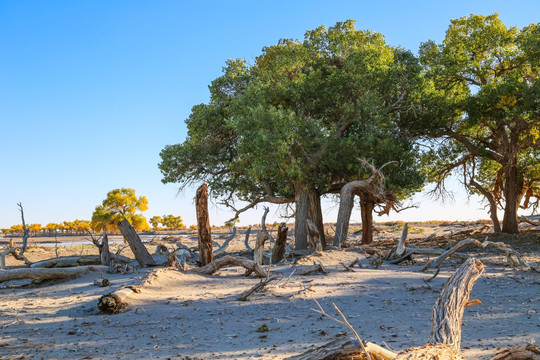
(518,352)
(315,268)
(230,260)
(314,236)
(511,254)
(258,254)
(279,247)
(246,240)
(345,349)
(203,225)
(225,244)
(116,301)
(104,252)
(26,234)
(263,224)
(68,261)
(399,251)
(46,274)
(102,282)
(447,313)
(257,287)
(135,244)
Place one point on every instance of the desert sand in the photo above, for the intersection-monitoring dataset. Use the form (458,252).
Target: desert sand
(179,315)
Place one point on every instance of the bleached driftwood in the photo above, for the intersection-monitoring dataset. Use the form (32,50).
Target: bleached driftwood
(512,256)
(315,268)
(46,274)
(225,244)
(400,248)
(447,314)
(518,352)
(102,243)
(116,301)
(68,261)
(230,260)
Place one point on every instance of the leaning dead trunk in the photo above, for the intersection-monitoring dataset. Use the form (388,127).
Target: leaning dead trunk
(135,244)
(447,314)
(492,205)
(203,225)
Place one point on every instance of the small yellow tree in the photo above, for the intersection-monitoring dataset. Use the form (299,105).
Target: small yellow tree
(120,204)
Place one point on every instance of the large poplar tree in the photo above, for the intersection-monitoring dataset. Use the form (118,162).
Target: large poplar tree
(291,127)
(483,112)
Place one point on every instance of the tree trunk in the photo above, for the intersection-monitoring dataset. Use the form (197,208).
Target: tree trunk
(511,198)
(135,244)
(46,274)
(279,246)
(448,310)
(492,205)
(366,208)
(315,214)
(203,225)
(258,254)
(302,211)
(314,236)
(346,203)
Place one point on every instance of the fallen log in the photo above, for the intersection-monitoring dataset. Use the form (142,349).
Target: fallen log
(518,352)
(68,261)
(46,274)
(510,253)
(116,301)
(217,264)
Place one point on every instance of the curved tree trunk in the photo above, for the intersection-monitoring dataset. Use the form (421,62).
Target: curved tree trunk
(492,205)
(366,206)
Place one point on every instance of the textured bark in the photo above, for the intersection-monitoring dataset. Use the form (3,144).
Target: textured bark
(448,310)
(104,253)
(366,207)
(518,352)
(314,236)
(225,244)
(315,214)
(346,203)
(302,211)
(511,197)
(46,274)
(258,254)
(230,260)
(279,248)
(135,244)
(203,225)
(68,261)
(116,301)
(345,349)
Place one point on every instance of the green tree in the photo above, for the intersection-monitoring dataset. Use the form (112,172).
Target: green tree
(172,222)
(482,112)
(120,204)
(292,126)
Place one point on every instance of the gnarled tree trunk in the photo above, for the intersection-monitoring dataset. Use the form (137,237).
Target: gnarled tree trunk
(279,247)
(512,189)
(366,207)
(203,225)
(308,206)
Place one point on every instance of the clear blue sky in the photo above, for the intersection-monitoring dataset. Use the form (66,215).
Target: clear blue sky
(91,91)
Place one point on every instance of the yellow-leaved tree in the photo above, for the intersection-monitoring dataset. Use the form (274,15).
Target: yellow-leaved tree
(120,204)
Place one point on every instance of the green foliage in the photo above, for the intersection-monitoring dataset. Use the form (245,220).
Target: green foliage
(120,204)
(301,116)
(482,106)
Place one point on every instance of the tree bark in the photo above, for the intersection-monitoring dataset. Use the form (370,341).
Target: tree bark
(279,247)
(315,214)
(68,261)
(203,225)
(45,274)
(314,236)
(366,207)
(302,211)
(346,203)
(258,254)
(448,310)
(510,223)
(137,247)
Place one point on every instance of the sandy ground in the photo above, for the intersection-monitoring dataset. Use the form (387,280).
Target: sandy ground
(188,316)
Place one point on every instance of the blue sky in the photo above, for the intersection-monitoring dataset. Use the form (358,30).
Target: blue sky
(91,91)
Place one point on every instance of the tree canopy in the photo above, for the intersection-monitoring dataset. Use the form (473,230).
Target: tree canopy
(120,204)
(291,126)
(482,111)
